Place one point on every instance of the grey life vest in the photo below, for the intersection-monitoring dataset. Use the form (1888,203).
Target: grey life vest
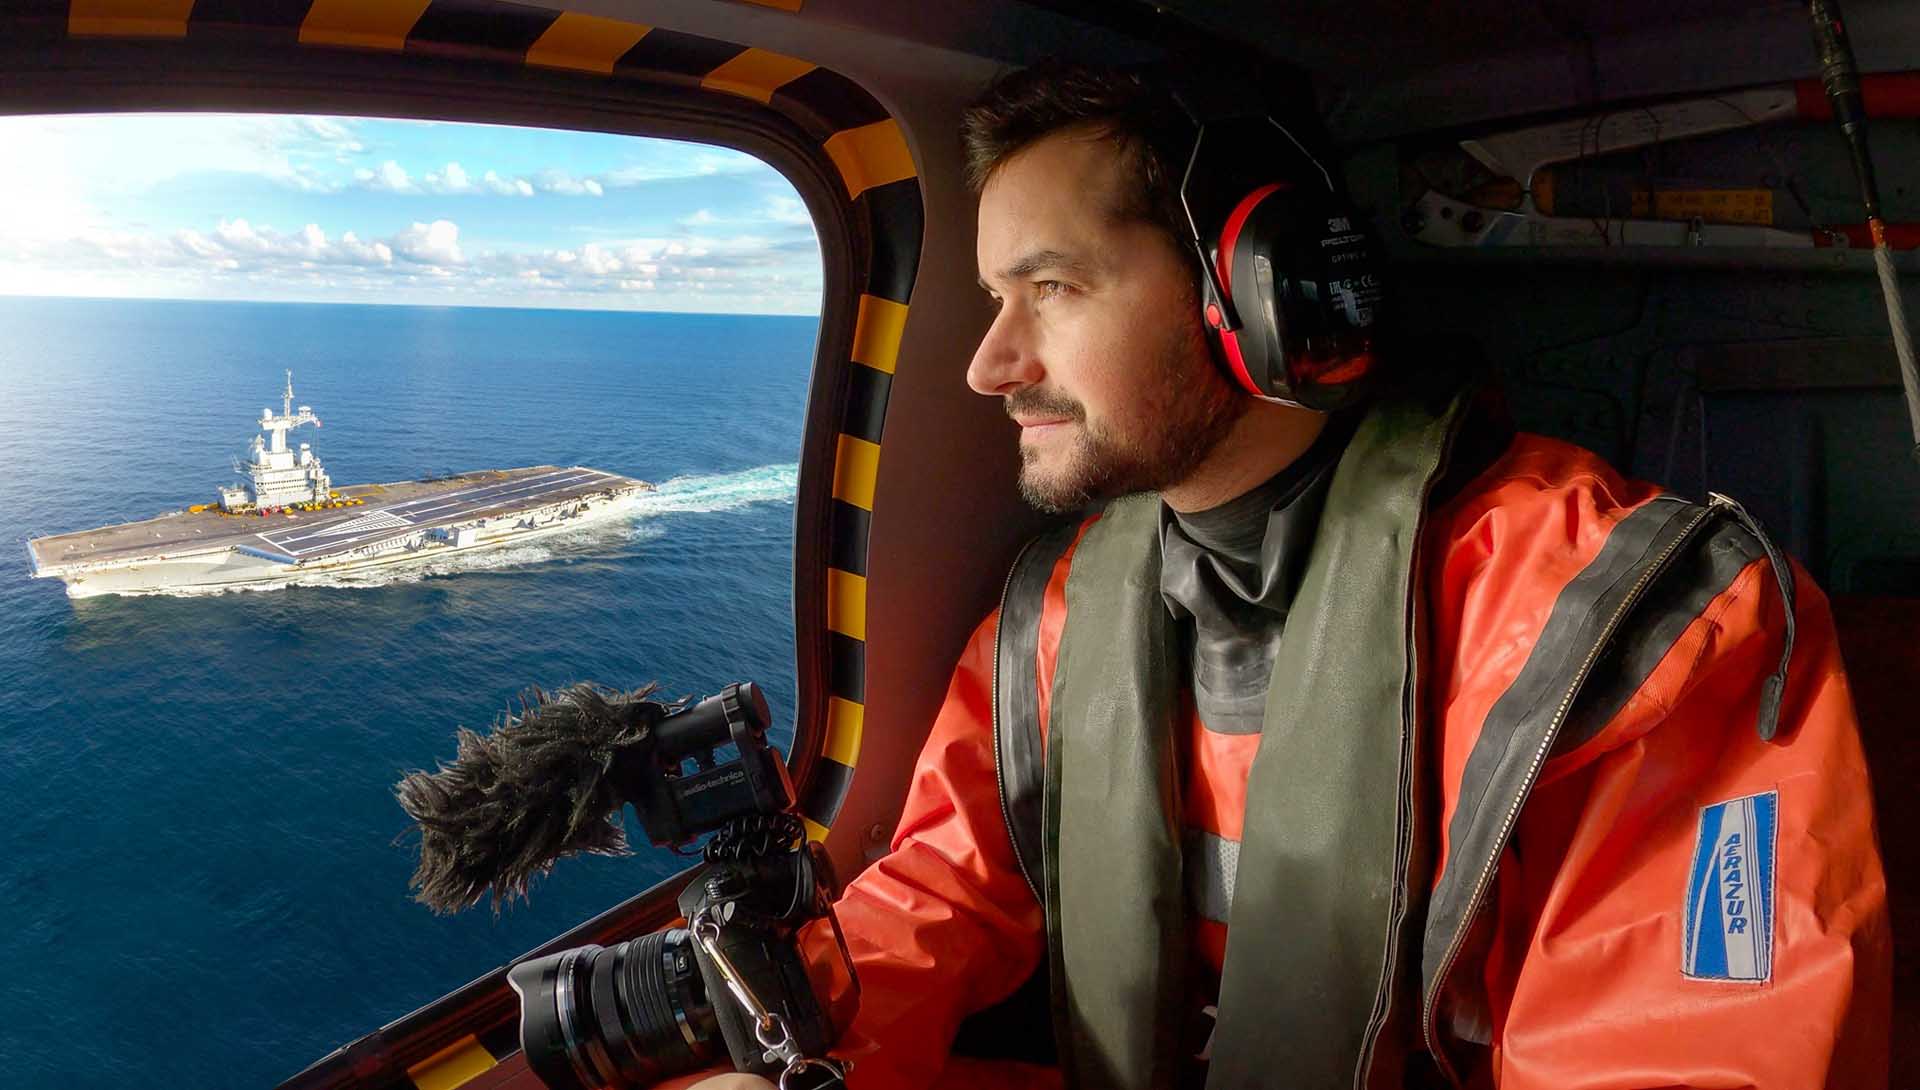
(1322,909)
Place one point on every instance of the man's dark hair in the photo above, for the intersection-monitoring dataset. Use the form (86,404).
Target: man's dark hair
(1139,116)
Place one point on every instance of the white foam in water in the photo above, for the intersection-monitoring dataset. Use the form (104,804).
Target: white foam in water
(721,491)
(693,495)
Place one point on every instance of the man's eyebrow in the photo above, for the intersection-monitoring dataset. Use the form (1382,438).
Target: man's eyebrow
(1036,261)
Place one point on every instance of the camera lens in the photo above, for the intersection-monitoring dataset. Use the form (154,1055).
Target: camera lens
(610,1016)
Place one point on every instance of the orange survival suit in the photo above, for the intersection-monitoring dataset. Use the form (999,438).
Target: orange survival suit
(1635,845)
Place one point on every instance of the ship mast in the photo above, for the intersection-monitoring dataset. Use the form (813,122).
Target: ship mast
(277,427)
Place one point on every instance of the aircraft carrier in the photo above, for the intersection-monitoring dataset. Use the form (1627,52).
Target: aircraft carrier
(288,522)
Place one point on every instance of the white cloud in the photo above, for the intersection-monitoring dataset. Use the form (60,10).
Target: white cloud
(598,262)
(355,252)
(431,244)
(450,179)
(194,244)
(335,133)
(455,180)
(506,187)
(239,236)
(239,245)
(80,192)
(566,185)
(667,162)
(313,240)
(391,178)
(677,165)
(786,211)
(62,169)
(239,257)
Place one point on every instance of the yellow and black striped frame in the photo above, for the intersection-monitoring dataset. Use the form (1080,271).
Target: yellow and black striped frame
(721,91)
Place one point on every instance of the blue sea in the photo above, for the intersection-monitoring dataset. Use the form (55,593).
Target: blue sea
(201,885)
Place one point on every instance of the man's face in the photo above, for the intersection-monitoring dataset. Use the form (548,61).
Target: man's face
(1097,346)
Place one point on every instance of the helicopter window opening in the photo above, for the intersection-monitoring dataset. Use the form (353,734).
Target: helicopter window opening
(202,772)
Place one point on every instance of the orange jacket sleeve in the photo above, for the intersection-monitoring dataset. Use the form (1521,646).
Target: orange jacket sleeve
(944,924)
(1585,976)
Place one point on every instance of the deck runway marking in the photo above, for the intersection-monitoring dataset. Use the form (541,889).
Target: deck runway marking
(372,520)
(493,488)
(430,507)
(300,543)
(490,487)
(347,534)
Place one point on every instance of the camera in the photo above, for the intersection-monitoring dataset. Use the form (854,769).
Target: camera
(662,1004)
(553,780)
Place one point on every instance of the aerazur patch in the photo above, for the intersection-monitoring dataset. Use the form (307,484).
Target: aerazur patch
(1729,924)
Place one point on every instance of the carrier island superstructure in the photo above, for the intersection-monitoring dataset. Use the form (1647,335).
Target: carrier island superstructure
(288,521)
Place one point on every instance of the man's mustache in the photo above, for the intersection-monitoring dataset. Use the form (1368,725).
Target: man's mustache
(1033,401)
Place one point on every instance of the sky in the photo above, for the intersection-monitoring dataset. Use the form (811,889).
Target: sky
(358,210)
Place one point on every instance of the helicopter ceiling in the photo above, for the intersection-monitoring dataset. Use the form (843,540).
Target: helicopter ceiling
(1387,68)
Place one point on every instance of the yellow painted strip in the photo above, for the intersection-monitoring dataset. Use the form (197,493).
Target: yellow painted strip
(369,24)
(876,332)
(855,465)
(757,74)
(870,155)
(452,1066)
(847,603)
(587,43)
(844,722)
(815,831)
(129,18)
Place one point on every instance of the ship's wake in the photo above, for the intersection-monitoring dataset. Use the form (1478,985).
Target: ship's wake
(708,493)
(639,520)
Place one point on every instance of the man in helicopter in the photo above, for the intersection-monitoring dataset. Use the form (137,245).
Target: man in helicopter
(1355,740)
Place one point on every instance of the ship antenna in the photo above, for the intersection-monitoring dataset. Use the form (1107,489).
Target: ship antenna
(286,406)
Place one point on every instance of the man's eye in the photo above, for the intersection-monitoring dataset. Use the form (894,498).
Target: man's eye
(1047,289)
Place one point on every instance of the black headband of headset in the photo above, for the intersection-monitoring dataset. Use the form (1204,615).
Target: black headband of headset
(1209,103)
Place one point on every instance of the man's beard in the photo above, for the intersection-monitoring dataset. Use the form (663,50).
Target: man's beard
(1197,411)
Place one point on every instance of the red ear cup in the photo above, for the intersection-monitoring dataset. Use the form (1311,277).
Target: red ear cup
(1237,370)
(1303,290)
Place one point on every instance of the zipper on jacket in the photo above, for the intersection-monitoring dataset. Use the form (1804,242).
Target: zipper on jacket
(1403,847)
(1409,772)
(1430,1002)
(999,769)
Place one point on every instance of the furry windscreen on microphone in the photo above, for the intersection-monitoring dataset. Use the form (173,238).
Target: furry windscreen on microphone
(535,788)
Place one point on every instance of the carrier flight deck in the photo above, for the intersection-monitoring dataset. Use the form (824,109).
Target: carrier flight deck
(292,523)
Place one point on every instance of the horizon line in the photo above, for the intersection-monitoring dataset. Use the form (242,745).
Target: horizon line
(440,306)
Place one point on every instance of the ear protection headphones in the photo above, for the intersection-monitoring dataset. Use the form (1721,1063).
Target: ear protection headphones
(1293,286)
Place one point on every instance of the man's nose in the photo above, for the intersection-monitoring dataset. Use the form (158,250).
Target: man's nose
(1005,360)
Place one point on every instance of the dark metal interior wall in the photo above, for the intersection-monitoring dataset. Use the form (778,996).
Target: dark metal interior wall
(1778,388)
(1764,373)
(1387,67)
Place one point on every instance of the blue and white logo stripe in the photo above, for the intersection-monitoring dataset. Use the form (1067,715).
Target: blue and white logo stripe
(1729,925)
